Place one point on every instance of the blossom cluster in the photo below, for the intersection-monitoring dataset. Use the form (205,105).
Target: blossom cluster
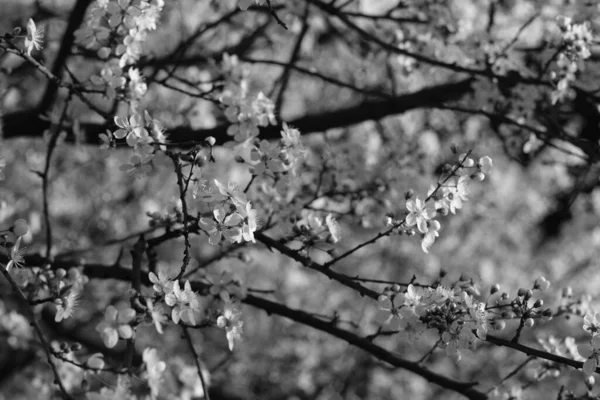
(278,160)
(459,319)
(185,303)
(140,132)
(575,48)
(446,197)
(233,217)
(315,231)
(246,112)
(130,20)
(591,351)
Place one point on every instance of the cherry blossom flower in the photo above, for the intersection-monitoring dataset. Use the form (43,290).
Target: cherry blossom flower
(66,305)
(250,226)
(411,328)
(16,255)
(95,361)
(541,284)
(290,136)
(591,352)
(20,228)
(34,37)
(156,314)
(419,214)
(233,193)
(116,325)
(231,321)
(591,323)
(333,227)
(389,312)
(222,225)
(478,313)
(154,368)
(184,302)
(433,232)
(161,283)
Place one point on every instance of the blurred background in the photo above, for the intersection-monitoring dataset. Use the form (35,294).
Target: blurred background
(535,215)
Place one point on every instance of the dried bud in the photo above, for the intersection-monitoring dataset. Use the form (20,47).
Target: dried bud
(409,194)
(547,313)
(454,148)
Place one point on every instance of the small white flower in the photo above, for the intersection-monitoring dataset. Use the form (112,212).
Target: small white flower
(232,323)
(432,233)
(334,228)
(419,214)
(66,306)
(485,164)
(34,38)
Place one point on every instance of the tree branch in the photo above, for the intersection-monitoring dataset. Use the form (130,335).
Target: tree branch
(29,124)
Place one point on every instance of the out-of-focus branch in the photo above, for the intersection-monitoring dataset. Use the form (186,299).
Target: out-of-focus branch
(464,388)
(29,124)
(75,20)
(44,341)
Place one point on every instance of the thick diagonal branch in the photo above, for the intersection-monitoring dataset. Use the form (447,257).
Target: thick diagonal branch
(28,123)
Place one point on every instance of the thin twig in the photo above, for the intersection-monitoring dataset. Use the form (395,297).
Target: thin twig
(197,360)
(45,344)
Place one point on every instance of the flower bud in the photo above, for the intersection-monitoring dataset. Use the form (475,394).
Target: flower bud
(396,287)
(442,211)
(521,292)
(589,382)
(518,301)
(499,324)
(75,347)
(454,148)
(495,288)
(409,194)
(504,296)
(210,141)
(20,228)
(547,312)
(567,292)
(529,322)
(538,303)
(469,163)
(528,294)
(239,159)
(478,176)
